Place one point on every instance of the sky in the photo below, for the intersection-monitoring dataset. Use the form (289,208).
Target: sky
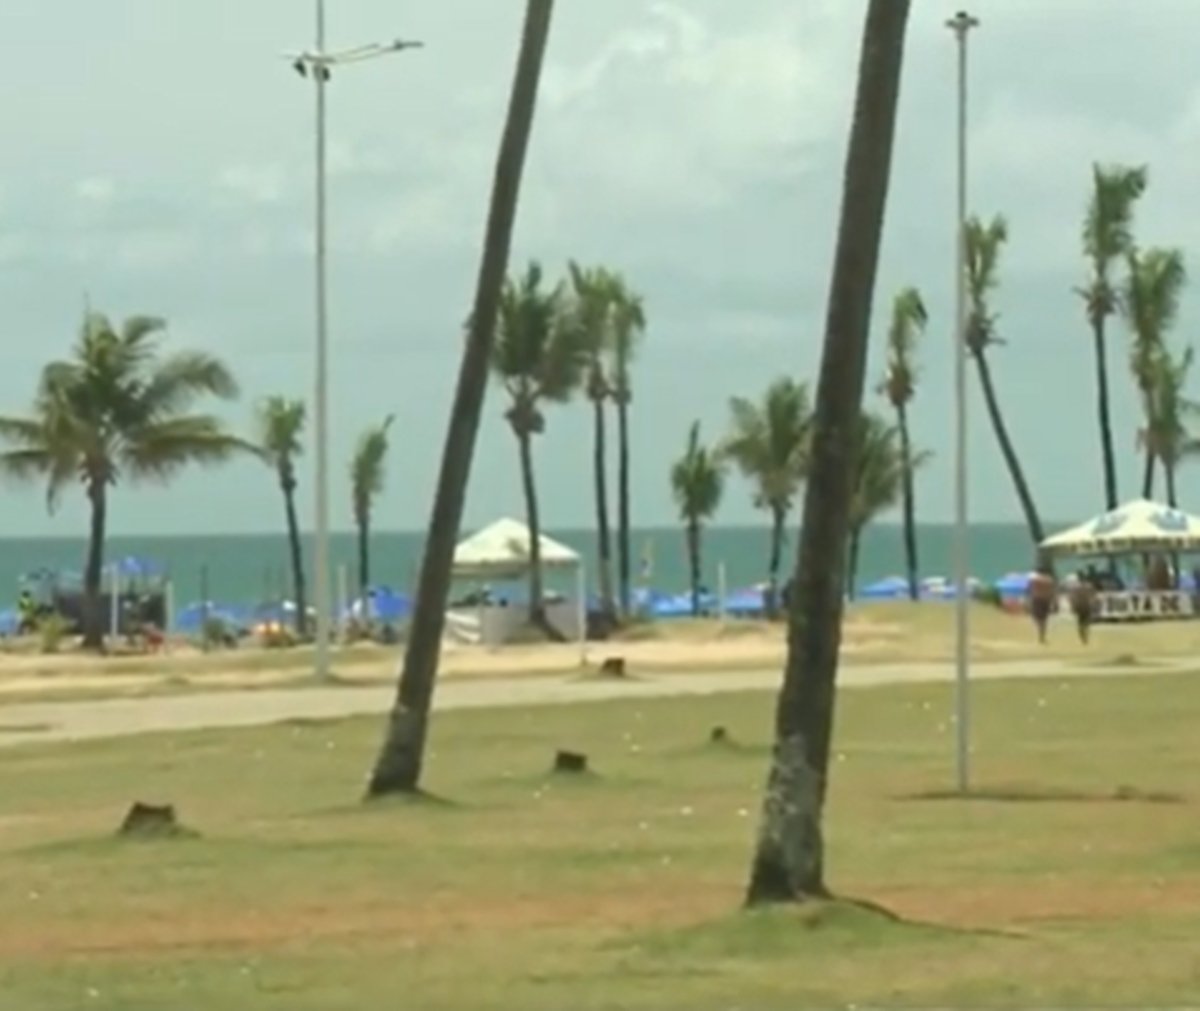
(157,158)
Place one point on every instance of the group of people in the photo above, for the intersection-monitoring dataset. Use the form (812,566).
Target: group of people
(1082,596)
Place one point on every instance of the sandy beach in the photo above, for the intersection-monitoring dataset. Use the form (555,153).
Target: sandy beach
(874,633)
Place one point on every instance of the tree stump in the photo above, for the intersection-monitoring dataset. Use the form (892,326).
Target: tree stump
(718,735)
(152,821)
(570,761)
(613,667)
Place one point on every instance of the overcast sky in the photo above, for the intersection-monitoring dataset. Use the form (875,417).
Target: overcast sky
(157,158)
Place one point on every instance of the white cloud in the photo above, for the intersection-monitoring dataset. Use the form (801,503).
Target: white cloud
(681,113)
(252,184)
(96,190)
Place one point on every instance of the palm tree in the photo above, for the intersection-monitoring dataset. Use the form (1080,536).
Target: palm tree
(366,482)
(398,767)
(629,324)
(1151,298)
(280,431)
(884,470)
(1167,436)
(788,863)
(769,445)
(117,409)
(538,358)
(697,481)
(900,386)
(984,242)
(591,311)
(1107,237)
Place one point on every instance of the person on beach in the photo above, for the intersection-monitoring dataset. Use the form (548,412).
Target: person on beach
(1083,604)
(1042,590)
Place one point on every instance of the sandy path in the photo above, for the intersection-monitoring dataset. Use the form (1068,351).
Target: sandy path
(66,721)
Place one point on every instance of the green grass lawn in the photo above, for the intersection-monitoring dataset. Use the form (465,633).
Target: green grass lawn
(1074,880)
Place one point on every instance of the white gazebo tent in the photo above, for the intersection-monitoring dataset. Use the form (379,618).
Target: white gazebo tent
(1137,527)
(501,551)
(1140,527)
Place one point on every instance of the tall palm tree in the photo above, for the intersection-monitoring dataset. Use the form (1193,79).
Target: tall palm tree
(769,445)
(398,767)
(984,242)
(117,409)
(591,311)
(629,324)
(1107,238)
(366,482)
(900,386)
(280,442)
(884,470)
(1153,289)
(697,482)
(788,863)
(538,358)
(1167,435)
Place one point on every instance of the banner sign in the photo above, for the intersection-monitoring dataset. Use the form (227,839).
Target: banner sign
(1133,605)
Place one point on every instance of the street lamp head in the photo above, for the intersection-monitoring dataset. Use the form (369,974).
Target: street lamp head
(300,67)
(962,22)
(401,44)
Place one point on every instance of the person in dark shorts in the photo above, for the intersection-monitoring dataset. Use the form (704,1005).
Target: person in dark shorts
(1042,590)
(1083,606)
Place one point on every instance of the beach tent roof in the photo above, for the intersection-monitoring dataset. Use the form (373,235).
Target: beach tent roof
(501,551)
(1136,526)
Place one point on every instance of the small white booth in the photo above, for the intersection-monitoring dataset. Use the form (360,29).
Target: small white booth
(500,551)
(1140,528)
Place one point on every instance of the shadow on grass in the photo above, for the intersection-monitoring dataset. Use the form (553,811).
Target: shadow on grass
(835,925)
(595,676)
(1049,795)
(1121,660)
(25,728)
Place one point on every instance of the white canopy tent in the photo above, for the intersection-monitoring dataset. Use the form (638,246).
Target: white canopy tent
(1136,527)
(501,551)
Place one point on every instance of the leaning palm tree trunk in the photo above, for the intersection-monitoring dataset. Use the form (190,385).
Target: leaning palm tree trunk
(537,598)
(771,598)
(93,570)
(297,556)
(911,564)
(695,565)
(623,575)
(1148,474)
(364,559)
(1008,451)
(603,533)
(1104,414)
(398,767)
(788,862)
(852,561)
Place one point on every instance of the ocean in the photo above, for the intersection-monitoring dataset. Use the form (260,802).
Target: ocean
(246,568)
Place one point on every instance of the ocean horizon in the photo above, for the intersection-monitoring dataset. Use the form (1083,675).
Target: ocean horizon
(249,567)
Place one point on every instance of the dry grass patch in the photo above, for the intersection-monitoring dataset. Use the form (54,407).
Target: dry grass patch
(1069,881)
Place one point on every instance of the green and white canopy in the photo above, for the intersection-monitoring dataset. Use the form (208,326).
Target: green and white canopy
(1135,527)
(501,551)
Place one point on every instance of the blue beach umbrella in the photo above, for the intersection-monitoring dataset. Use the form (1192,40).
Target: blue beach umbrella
(889,588)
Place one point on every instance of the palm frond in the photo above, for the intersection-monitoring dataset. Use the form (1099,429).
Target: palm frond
(366,468)
(160,450)
(697,479)
(280,427)
(983,245)
(1108,223)
(183,378)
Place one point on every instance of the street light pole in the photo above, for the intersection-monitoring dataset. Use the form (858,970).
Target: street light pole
(961,24)
(321,390)
(319,63)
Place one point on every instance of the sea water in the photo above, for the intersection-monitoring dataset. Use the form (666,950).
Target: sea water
(246,568)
